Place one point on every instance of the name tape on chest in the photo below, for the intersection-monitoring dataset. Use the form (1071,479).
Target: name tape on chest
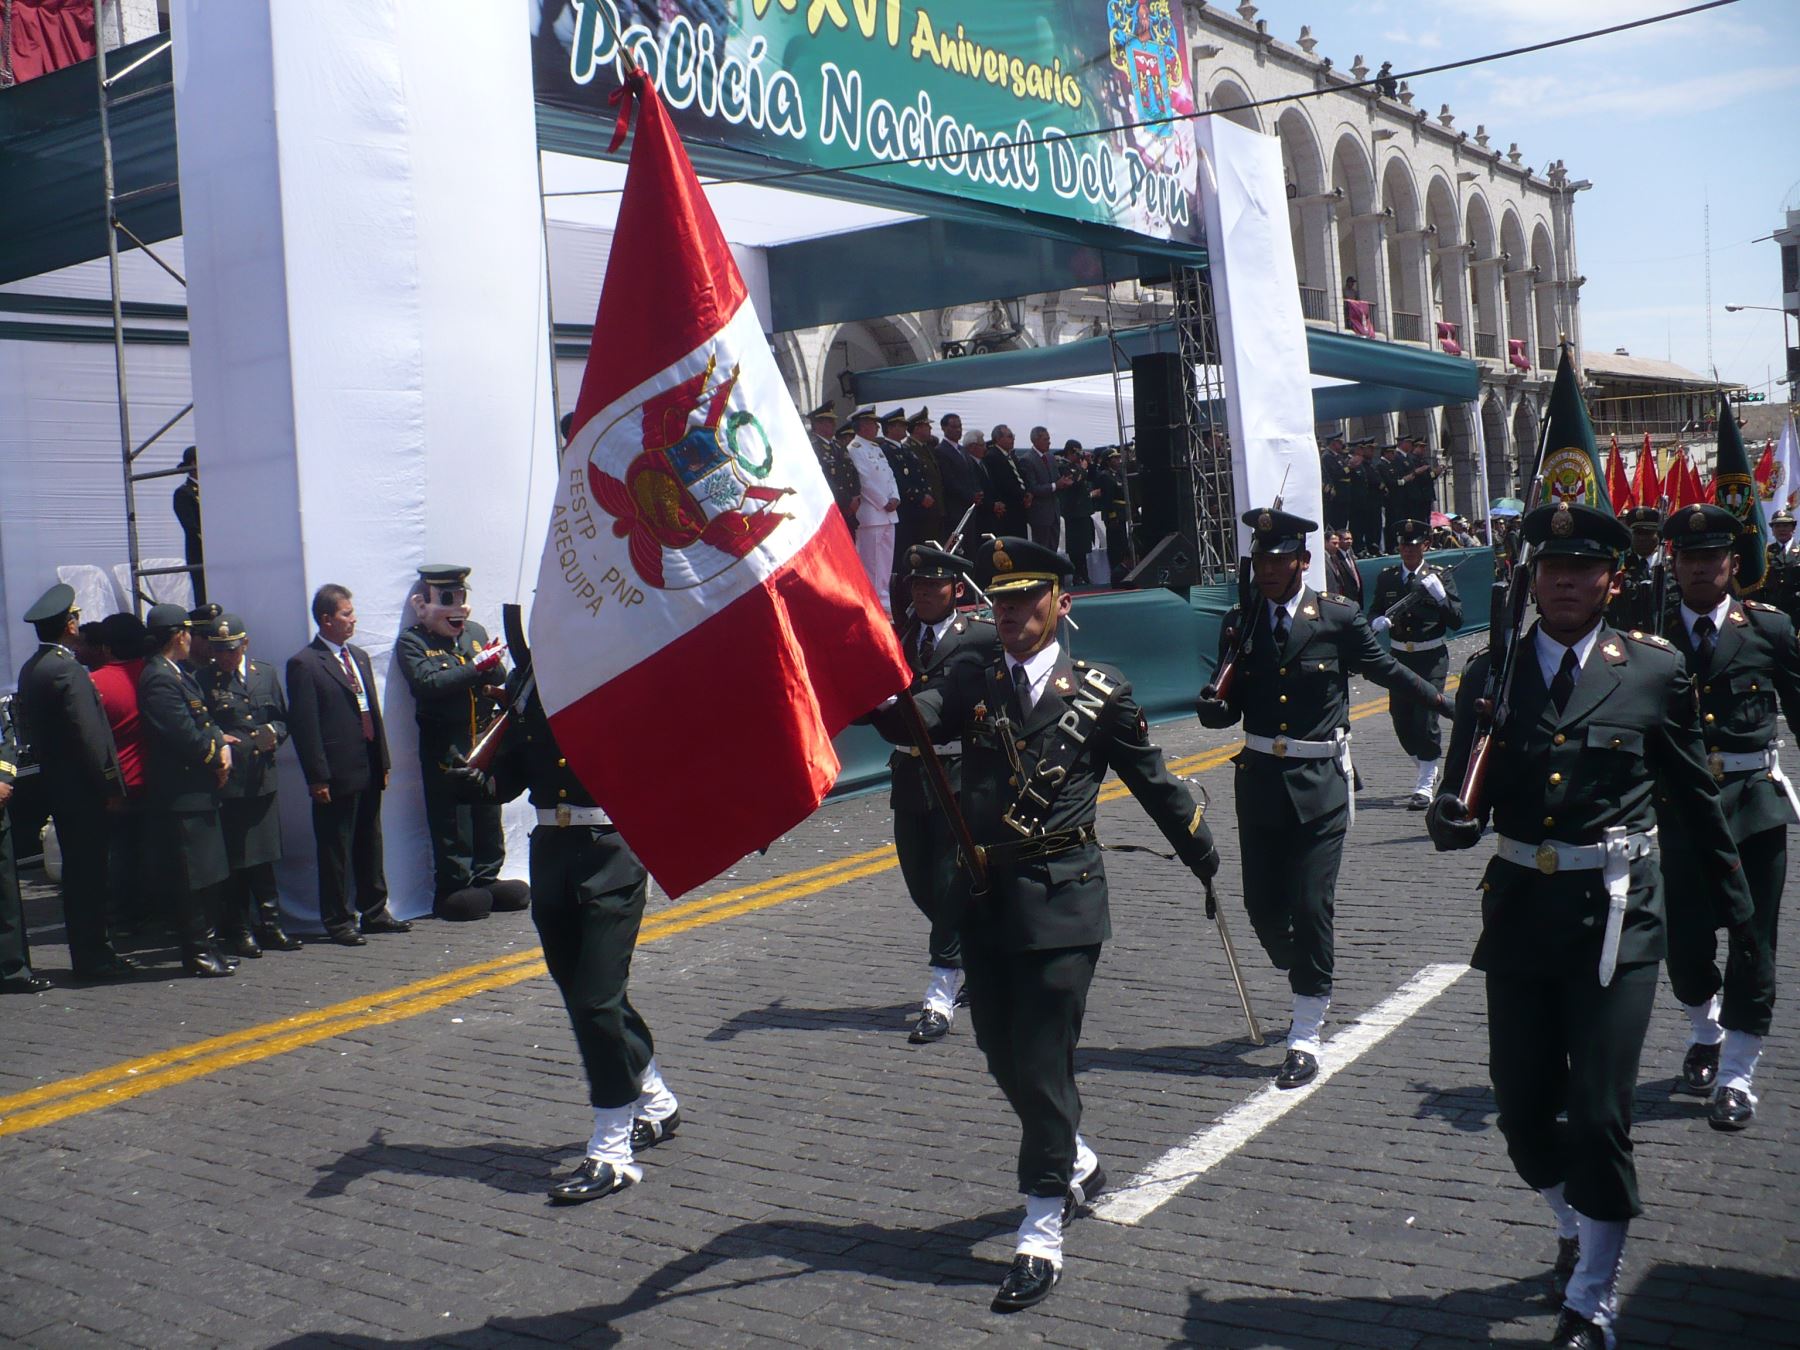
(1075,726)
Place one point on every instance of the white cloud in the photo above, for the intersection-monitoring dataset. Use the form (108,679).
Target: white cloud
(1525,98)
(1431,41)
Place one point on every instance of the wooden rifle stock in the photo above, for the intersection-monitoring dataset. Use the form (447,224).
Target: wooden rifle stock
(973,853)
(1238,644)
(481,754)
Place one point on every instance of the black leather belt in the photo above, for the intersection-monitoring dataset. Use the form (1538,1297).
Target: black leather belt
(1042,845)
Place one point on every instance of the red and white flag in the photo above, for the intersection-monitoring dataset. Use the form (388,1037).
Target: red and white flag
(702,625)
(1782,490)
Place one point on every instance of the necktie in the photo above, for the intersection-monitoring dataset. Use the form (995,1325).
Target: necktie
(1022,688)
(1280,630)
(1564,683)
(368,717)
(1703,645)
(927,643)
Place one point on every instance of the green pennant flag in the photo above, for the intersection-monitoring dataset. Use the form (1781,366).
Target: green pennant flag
(1571,468)
(1734,488)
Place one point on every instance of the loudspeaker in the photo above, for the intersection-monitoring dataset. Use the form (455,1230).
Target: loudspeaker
(1174,563)
(1161,386)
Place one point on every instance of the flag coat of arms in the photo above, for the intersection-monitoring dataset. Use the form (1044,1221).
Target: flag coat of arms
(702,626)
(1570,469)
(1782,487)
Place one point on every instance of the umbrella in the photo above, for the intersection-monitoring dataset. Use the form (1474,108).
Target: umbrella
(1507,506)
(1439,518)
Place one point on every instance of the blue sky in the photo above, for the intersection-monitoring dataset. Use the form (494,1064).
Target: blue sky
(1662,121)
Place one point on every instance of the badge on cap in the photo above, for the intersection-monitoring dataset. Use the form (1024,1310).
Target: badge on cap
(1265,522)
(1002,560)
(913,560)
(1697,521)
(1562,524)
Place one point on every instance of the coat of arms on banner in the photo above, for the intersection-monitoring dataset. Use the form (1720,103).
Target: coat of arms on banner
(1737,494)
(695,491)
(1146,47)
(1569,477)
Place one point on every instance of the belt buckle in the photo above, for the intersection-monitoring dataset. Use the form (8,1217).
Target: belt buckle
(562,814)
(1547,861)
(1280,747)
(1715,763)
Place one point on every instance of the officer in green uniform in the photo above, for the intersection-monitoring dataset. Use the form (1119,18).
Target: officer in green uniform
(1744,662)
(1039,732)
(1635,604)
(1293,656)
(840,474)
(1781,585)
(187,763)
(1334,480)
(587,901)
(16,975)
(1601,737)
(938,641)
(201,618)
(454,674)
(934,521)
(246,701)
(914,491)
(1417,605)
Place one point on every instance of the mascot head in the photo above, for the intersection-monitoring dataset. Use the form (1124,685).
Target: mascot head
(440,602)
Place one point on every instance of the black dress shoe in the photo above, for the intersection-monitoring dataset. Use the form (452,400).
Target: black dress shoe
(1298,1069)
(962,997)
(590,1181)
(1028,1283)
(112,966)
(206,965)
(510,896)
(231,962)
(647,1133)
(385,923)
(25,984)
(1700,1070)
(240,944)
(1568,1255)
(278,940)
(348,937)
(1730,1110)
(931,1026)
(1082,1193)
(1575,1332)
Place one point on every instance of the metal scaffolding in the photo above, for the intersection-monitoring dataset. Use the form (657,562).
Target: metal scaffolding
(1203,448)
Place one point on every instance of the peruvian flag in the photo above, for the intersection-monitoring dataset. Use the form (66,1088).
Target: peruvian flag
(1618,489)
(1782,489)
(1646,488)
(702,626)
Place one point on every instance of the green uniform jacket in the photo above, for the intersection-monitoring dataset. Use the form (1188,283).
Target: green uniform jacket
(1048,903)
(240,705)
(1629,735)
(181,740)
(1303,692)
(60,715)
(450,694)
(967,639)
(1755,665)
(934,520)
(840,476)
(1423,618)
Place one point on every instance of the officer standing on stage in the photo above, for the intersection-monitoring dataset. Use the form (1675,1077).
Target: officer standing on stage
(1365,498)
(916,501)
(1425,611)
(455,675)
(587,901)
(1294,655)
(1039,732)
(840,474)
(62,721)
(938,642)
(245,699)
(187,761)
(1334,477)
(1635,604)
(1602,738)
(934,520)
(1743,660)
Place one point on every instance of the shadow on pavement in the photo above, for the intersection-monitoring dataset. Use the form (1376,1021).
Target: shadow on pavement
(519,1171)
(1221,1059)
(777,1016)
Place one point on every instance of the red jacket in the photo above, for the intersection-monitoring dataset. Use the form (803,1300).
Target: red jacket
(117,682)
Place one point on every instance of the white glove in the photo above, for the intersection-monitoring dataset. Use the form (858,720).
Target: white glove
(490,656)
(1434,586)
(1381,623)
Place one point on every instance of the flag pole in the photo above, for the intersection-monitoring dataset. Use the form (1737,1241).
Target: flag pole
(973,854)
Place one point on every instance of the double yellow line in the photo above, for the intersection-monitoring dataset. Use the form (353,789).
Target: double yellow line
(69,1097)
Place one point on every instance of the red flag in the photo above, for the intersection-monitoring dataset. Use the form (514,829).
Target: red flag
(1683,481)
(1647,487)
(1618,490)
(1765,472)
(702,626)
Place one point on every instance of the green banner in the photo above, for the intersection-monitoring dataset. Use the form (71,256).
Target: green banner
(1054,106)
(1734,488)
(1570,469)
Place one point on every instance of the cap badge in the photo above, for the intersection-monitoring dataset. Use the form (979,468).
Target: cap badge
(1002,560)
(1562,524)
(1265,522)
(1697,521)
(913,560)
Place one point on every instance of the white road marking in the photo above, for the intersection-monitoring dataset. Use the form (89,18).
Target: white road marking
(1177,1169)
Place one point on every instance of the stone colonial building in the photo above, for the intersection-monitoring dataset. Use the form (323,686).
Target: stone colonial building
(1450,240)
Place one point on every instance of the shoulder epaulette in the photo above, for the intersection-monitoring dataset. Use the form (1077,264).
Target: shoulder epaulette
(1758,604)
(1650,639)
(1339,600)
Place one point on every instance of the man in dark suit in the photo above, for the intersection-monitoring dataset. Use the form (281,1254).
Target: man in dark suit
(1042,475)
(335,720)
(965,482)
(1008,500)
(187,514)
(1341,576)
(64,725)
(187,762)
(1039,733)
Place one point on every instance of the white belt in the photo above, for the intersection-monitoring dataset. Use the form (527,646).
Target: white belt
(1768,757)
(947,748)
(1612,859)
(572,815)
(1338,748)
(1426,645)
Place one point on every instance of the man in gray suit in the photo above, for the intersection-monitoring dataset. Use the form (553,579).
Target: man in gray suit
(1043,476)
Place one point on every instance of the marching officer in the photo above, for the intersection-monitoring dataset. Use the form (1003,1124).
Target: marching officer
(455,675)
(1781,586)
(1743,660)
(1293,657)
(62,721)
(1602,738)
(1635,604)
(245,700)
(587,901)
(840,474)
(1416,604)
(937,643)
(188,761)
(1039,732)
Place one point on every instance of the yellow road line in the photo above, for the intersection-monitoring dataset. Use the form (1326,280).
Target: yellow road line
(61,1100)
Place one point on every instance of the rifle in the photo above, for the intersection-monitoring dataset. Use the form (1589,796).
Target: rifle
(1659,570)
(481,754)
(1226,675)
